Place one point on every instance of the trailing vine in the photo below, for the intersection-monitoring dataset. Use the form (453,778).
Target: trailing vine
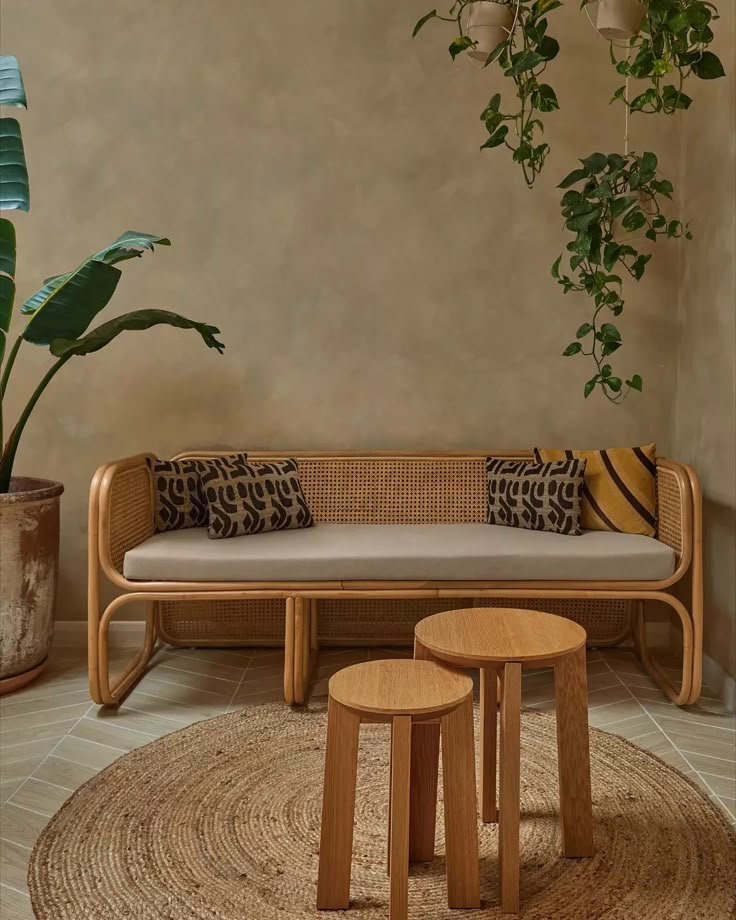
(617,198)
(672,44)
(523,57)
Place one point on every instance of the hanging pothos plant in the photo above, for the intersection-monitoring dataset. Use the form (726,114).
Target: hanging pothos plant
(672,43)
(617,200)
(523,53)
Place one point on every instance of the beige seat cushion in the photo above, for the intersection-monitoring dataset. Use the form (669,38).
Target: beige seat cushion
(366,552)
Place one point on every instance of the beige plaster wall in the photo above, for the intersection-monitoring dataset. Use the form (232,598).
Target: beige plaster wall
(378,281)
(705,407)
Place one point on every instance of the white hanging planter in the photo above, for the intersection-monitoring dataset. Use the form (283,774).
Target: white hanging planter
(619,20)
(488,22)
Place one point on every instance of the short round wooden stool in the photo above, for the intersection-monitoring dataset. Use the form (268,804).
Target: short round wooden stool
(500,642)
(413,696)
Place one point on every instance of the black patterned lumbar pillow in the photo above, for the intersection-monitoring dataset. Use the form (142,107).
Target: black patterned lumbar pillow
(256,497)
(178,492)
(535,496)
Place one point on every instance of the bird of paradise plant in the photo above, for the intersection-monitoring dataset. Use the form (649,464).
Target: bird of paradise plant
(59,313)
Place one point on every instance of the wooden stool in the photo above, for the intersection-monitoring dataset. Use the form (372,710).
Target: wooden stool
(411,696)
(500,642)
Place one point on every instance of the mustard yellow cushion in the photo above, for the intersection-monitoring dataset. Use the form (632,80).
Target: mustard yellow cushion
(620,489)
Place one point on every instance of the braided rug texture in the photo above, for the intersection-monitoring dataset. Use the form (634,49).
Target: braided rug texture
(220,821)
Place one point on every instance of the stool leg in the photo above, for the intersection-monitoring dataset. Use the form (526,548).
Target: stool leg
(390,798)
(508,831)
(461,808)
(399,823)
(425,758)
(573,755)
(488,717)
(338,808)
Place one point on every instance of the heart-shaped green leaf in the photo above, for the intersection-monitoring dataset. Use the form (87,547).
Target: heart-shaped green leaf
(572,178)
(425,19)
(497,138)
(525,60)
(709,67)
(460,44)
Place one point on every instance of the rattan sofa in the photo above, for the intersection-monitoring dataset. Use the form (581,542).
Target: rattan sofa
(379,488)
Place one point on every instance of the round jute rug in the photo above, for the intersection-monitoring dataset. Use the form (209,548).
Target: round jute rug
(220,821)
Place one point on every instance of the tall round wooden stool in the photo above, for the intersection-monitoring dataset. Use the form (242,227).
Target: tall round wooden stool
(500,642)
(408,695)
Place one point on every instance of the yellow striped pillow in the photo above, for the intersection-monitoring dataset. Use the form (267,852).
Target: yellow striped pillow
(620,490)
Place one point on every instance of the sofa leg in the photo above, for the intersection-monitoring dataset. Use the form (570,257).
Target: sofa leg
(289,650)
(684,695)
(311,645)
(306,645)
(314,623)
(305,640)
(301,635)
(104,690)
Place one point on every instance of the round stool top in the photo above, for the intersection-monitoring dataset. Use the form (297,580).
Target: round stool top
(477,636)
(400,686)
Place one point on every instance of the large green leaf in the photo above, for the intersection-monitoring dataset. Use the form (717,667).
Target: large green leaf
(7,248)
(7,276)
(138,319)
(12,91)
(14,191)
(128,245)
(71,303)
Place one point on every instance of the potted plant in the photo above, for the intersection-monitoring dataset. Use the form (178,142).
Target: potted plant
(611,191)
(488,23)
(619,20)
(668,44)
(57,316)
(523,55)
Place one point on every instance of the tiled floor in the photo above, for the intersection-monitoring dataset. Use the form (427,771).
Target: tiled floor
(52,739)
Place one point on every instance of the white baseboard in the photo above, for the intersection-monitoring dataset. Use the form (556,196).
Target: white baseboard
(73,634)
(717,678)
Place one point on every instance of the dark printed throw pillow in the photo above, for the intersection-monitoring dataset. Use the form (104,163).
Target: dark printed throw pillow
(256,497)
(178,491)
(535,496)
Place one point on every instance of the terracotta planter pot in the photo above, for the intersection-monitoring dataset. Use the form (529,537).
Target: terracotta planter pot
(619,20)
(29,566)
(488,24)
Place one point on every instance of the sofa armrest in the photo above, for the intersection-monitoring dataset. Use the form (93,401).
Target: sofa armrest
(123,493)
(675,510)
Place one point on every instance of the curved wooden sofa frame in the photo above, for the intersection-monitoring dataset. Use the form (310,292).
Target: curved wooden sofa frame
(121,517)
